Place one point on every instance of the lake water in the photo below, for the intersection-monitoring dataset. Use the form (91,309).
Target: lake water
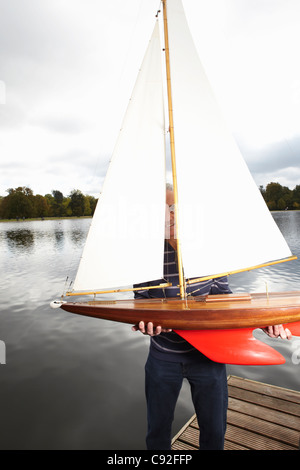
(72,382)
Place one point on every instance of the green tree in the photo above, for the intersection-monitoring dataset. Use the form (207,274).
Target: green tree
(57,203)
(50,200)
(272,205)
(90,205)
(42,208)
(77,203)
(67,211)
(18,204)
(278,196)
(21,203)
(296,195)
(281,204)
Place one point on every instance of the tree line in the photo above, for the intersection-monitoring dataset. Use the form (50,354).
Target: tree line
(21,203)
(280,197)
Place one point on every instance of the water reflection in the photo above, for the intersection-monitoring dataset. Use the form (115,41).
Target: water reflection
(71,382)
(77,236)
(23,235)
(19,239)
(281,277)
(289,224)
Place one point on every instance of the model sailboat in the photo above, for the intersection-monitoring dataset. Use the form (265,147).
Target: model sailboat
(125,244)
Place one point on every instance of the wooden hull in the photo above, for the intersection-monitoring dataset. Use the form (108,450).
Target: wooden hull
(199,313)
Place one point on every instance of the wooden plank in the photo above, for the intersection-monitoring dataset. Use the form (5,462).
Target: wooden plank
(292,422)
(181,445)
(265,428)
(260,417)
(254,441)
(287,439)
(191,435)
(188,423)
(234,446)
(266,389)
(265,400)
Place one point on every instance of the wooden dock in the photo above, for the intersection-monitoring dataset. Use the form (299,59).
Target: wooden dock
(260,417)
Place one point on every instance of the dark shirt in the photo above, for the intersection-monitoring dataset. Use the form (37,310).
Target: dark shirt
(171,346)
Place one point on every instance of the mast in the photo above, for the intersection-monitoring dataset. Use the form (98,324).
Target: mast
(172,147)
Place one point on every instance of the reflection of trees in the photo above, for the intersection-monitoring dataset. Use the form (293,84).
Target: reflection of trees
(78,236)
(59,238)
(44,235)
(20,239)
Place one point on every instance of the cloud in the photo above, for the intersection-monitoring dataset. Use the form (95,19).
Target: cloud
(68,68)
(250,50)
(273,162)
(68,125)
(62,68)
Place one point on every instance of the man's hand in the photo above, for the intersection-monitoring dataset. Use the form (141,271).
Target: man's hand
(148,329)
(277,331)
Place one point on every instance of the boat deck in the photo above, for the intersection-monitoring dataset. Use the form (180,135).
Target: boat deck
(260,417)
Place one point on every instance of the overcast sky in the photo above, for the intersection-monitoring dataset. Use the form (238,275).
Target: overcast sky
(67,68)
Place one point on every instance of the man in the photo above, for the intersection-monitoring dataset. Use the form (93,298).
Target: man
(171,359)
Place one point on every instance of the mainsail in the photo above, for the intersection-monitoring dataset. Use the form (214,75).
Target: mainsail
(125,242)
(225,224)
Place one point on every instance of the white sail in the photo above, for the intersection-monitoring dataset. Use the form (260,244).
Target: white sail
(224,223)
(125,243)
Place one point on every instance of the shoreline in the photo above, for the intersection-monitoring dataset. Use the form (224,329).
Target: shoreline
(42,219)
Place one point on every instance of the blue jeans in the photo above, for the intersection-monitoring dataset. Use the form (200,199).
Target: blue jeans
(208,382)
